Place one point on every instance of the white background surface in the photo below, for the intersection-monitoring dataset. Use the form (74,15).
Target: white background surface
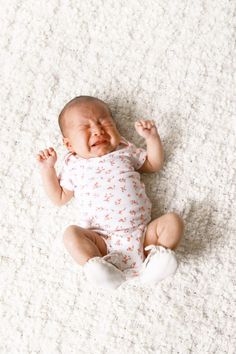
(171,61)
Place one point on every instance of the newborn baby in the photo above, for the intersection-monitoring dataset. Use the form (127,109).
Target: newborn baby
(101,170)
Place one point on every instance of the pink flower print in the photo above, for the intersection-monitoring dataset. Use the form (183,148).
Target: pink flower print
(99,208)
(130,249)
(99,169)
(133,202)
(112,162)
(132,212)
(132,221)
(142,217)
(117,201)
(125,259)
(121,211)
(140,249)
(118,243)
(108,171)
(141,208)
(128,238)
(133,265)
(111,188)
(102,161)
(129,195)
(107,197)
(122,220)
(138,238)
(108,217)
(123,189)
(121,179)
(96,185)
(139,195)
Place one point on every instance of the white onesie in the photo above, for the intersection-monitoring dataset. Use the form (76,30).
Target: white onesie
(112,201)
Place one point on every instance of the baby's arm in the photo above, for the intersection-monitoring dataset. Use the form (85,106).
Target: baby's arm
(58,195)
(155,153)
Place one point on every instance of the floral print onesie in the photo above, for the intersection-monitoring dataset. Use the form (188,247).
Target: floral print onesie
(112,201)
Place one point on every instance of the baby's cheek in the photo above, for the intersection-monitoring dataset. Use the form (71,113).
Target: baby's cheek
(115,136)
(82,142)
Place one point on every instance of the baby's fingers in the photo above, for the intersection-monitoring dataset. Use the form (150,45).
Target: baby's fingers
(144,123)
(140,123)
(52,152)
(46,153)
(40,156)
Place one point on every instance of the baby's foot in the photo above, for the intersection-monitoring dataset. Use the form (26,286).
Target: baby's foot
(103,274)
(159,264)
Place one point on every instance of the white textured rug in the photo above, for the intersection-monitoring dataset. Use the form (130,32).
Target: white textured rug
(171,61)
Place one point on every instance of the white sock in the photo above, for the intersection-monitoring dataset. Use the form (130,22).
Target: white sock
(161,264)
(103,274)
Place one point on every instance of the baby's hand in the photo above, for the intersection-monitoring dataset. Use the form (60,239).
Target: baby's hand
(146,128)
(47,157)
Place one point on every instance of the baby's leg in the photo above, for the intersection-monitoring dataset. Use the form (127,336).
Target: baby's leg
(83,244)
(87,248)
(166,231)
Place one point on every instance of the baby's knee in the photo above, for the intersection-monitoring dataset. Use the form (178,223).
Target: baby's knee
(70,234)
(177,221)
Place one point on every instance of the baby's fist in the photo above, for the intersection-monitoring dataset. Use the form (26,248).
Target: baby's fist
(146,128)
(47,157)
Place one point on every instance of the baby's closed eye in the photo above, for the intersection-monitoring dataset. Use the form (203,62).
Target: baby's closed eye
(83,127)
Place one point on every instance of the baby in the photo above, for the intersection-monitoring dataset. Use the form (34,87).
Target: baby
(115,238)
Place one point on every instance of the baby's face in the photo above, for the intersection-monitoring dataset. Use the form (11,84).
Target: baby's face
(91,131)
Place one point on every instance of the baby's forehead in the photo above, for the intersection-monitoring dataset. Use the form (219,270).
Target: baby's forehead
(87,110)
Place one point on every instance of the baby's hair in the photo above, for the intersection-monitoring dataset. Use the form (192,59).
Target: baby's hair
(77,100)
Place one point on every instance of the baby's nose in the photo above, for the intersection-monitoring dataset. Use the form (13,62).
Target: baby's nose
(96,129)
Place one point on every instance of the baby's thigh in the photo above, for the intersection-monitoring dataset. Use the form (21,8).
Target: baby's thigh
(97,239)
(74,232)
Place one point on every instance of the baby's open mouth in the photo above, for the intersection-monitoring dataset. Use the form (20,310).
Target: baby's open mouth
(99,143)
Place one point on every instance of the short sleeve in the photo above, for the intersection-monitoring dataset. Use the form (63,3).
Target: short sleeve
(65,175)
(138,156)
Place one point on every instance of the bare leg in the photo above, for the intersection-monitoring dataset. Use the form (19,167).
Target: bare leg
(165,231)
(83,244)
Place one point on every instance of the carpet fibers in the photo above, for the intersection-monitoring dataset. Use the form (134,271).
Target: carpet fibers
(167,60)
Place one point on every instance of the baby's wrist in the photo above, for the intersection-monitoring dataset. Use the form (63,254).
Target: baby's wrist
(152,138)
(46,168)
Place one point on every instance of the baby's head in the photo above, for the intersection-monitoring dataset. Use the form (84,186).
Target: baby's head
(88,128)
